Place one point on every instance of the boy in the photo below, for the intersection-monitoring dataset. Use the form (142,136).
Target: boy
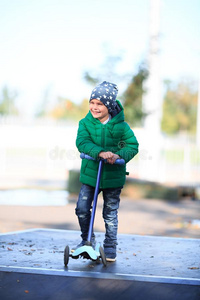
(104,134)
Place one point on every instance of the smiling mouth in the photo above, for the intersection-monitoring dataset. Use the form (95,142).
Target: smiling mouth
(95,112)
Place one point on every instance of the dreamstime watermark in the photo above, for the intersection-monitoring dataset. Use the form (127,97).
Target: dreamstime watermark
(58,153)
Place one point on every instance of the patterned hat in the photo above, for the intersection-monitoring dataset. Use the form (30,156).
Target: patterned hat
(107,92)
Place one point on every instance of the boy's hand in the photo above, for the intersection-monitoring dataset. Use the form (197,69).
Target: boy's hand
(109,156)
(113,159)
(106,155)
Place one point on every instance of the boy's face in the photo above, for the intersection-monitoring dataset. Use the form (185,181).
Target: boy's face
(98,110)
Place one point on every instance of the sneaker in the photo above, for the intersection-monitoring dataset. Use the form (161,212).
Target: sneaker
(110,253)
(111,257)
(82,243)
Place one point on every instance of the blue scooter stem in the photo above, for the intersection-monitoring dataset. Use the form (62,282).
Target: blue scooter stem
(118,161)
(95,201)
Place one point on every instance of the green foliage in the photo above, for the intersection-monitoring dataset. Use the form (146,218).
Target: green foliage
(74,184)
(90,79)
(179,109)
(133,97)
(136,189)
(7,102)
(66,109)
(179,106)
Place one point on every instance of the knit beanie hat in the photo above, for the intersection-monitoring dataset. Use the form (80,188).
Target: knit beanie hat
(106,92)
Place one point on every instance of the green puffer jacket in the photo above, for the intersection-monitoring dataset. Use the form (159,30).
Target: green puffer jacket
(115,136)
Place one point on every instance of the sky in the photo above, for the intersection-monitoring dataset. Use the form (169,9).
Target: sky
(47,45)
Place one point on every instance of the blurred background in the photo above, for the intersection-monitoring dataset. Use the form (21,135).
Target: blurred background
(53,52)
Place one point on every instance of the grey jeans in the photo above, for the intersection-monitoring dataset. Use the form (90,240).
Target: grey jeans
(111,198)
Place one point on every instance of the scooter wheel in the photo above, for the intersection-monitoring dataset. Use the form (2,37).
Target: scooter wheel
(103,257)
(66,256)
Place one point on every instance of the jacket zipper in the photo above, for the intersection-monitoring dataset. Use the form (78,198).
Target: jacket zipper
(103,145)
(103,136)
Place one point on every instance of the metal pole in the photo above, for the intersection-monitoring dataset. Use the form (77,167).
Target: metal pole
(198,118)
(152,103)
(152,100)
(95,201)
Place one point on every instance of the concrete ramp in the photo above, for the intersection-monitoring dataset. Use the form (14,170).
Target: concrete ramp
(147,267)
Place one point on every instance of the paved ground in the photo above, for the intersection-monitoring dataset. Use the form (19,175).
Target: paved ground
(138,255)
(147,267)
(142,217)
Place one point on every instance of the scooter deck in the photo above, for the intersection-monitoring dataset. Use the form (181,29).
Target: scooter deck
(87,252)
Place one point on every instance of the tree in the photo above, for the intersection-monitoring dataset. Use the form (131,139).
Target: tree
(133,97)
(107,71)
(41,111)
(66,109)
(179,108)
(7,102)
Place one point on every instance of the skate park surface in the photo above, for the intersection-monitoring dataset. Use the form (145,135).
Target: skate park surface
(147,267)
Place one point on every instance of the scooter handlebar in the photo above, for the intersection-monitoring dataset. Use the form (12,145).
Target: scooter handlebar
(119,161)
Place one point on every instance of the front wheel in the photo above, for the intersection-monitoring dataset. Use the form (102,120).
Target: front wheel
(66,256)
(103,257)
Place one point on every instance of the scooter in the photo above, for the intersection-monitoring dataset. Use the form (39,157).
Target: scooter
(87,251)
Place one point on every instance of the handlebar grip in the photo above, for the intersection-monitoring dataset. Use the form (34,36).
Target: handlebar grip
(86,156)
(119,161)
